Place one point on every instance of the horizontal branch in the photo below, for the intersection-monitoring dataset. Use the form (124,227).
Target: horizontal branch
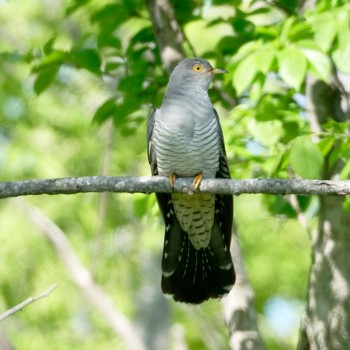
(161,184)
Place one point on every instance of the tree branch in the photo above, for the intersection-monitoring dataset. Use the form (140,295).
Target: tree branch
(147,184)
(167,31)
(28,301)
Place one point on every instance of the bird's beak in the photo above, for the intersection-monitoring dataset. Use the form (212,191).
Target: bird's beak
(218,71)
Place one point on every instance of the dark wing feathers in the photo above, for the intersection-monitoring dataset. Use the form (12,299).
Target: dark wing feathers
(162,198)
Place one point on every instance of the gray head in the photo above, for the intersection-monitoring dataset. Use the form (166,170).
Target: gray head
(195,72)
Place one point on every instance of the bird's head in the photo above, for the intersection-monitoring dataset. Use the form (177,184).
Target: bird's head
(195,71)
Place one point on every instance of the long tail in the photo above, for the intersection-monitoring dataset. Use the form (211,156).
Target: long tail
(191,275)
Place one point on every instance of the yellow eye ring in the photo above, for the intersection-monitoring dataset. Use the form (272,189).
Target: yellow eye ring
(197,67)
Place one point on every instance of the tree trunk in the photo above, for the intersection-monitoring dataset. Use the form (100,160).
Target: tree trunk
(326,325)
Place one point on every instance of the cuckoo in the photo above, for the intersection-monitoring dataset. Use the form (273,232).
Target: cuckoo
(185,139)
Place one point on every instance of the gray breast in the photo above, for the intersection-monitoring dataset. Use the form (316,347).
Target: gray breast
(186,141)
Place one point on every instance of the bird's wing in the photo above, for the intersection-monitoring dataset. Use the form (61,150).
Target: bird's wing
(224,203)
(150,149)
(224,170)
(162,198)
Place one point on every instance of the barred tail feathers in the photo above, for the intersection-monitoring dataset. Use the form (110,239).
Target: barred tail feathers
(194,275)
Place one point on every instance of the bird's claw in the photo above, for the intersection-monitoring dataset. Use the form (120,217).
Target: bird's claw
(172,179)
(197,180)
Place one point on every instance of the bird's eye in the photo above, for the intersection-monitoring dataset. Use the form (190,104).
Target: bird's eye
(197,67)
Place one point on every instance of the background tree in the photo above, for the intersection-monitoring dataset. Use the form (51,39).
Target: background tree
(65,64)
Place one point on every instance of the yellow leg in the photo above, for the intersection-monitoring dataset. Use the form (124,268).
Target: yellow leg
(197,180)
(172,179)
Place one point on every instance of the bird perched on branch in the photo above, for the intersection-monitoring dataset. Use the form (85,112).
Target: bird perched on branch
(185,140)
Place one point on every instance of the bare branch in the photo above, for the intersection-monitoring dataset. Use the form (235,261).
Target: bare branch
(27,302)
(146,184)
(82,277)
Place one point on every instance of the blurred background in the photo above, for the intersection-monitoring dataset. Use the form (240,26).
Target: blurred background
(78,81)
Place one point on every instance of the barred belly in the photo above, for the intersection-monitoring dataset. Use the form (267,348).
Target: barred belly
(187,153)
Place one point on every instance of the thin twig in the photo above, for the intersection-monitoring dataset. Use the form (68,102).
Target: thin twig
(27,302)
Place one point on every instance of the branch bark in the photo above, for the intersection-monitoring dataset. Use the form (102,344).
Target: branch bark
(146,184)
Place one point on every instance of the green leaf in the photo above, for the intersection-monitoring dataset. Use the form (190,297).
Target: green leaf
(346,204)
(110,16)
(54,59)
(75,6)
(341,58)
(325,28)
(306,158)
(292,66)
(320,64)
(300,31)
(287,25)
(140,205)
(245,51)
(281,163)
(345,172)
(105,111)
(245,74)
(86,58)
(47,49)
(343,29)
(326,144)
(267,132)
(257,88)
(44,79)
(265,59)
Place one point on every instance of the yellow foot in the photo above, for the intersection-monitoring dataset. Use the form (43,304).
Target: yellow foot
(197,180)
(172,179)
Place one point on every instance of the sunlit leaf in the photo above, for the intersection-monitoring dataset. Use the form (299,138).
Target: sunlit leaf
(326,144)
(75,6)
(257,88)
(292,66)
(265,59)
(345,172)
(245,74)
(342,58)
(306,158)
(54,59)
(287,25)
(320,64)
(267,133)
(325,28)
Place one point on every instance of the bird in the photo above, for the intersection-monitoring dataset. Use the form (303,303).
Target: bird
(185,139)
